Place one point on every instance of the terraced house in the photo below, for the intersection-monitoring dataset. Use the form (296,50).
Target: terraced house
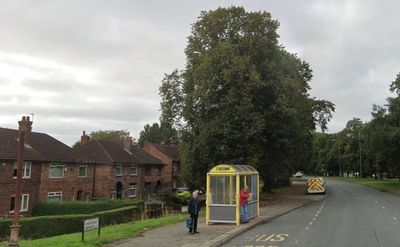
(54,171)
(169,155)
(50,170)
(121,170)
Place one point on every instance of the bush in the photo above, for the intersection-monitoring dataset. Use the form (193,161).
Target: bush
(79,207)
(46,226)
(183,197)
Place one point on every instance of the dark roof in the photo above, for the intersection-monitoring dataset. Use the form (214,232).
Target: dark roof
(103,151)
(41,147)
(169,150)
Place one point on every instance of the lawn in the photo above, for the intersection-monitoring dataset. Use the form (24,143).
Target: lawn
(387,185)
(108,234)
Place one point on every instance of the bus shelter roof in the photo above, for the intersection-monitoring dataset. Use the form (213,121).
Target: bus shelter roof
(233,169)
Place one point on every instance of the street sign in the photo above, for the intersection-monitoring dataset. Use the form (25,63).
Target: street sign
(91,224)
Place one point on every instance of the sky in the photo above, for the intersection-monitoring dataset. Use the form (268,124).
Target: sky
(97,65)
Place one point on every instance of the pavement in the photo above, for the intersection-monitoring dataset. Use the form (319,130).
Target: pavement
(350,215)
(274,205)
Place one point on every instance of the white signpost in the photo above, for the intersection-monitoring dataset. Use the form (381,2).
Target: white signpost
(91,224)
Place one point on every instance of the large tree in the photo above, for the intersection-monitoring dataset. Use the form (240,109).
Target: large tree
(242,98)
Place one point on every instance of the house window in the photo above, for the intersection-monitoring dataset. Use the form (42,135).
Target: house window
(82,170)
(133,170)
(26,173)
(147,187)
(147,171)
(132,190)
(118,170)
(56,171)
(54,196)
(159,171)
(24,203)
(12,204)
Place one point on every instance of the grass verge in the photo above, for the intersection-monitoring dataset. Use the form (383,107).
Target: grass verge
(386,185)
(108,234)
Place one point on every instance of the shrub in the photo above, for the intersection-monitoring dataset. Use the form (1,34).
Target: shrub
(183,197)
(79,207)
(46,226)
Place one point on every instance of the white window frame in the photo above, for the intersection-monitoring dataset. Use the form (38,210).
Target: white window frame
(79,171)
(132,187)
(55,194)
(117,168)
(134,166)
(24,198)
(53,165)
(24,175)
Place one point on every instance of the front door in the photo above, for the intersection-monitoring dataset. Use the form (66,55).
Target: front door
(118,189)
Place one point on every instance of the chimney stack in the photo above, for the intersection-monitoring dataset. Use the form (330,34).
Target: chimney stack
(84,138)
(128,144)
(25,125)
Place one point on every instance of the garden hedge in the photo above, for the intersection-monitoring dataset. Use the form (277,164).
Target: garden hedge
(47,226)
(79,207)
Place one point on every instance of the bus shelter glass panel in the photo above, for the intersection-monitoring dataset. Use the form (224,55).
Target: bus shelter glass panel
(222,198)
(223,190)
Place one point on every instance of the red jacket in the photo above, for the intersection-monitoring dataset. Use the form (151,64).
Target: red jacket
(243,197)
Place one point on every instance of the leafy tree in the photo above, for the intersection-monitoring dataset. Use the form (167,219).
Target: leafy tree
(379,139)
(111,135)
(242,98)
(151,133)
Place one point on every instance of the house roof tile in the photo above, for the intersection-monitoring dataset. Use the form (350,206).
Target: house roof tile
(104,151)
(41,147)
(169,150)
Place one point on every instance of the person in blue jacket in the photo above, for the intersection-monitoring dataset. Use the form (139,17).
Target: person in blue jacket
(193,210)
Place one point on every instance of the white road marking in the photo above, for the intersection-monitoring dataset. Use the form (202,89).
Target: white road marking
(259,239)
(307,227)
(394,218)
(383,207)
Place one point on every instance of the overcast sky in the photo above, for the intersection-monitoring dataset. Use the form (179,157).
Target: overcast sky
(91,65)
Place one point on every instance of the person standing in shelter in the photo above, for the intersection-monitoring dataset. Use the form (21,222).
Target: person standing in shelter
(244,196)
(193,209)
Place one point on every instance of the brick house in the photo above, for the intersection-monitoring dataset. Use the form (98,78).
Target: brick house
(54,171)
(50,170)
(169,155)
(121,170)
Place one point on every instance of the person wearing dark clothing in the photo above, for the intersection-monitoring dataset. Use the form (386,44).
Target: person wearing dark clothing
(193,210)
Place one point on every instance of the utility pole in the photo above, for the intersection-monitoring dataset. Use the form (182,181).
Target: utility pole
(359,147)
(340,165)
(14,228)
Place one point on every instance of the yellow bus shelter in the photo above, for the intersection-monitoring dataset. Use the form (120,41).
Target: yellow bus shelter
(224,183)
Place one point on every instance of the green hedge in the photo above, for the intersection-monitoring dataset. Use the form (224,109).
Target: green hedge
(47,226)
(79,207)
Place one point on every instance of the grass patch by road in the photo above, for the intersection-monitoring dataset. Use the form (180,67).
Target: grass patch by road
(387,185)
(108,234)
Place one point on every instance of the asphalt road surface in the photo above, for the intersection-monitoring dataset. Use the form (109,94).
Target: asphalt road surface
(350,215)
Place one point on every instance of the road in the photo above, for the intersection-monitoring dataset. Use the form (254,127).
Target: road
(350,215)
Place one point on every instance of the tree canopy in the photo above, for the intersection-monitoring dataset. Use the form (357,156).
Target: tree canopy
(375,144)
(242,98)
